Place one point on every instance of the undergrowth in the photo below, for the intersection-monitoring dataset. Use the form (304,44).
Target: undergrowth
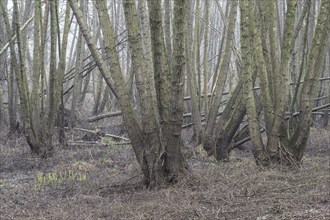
(104,182)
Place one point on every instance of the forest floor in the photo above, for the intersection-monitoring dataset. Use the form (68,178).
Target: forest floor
(104,182)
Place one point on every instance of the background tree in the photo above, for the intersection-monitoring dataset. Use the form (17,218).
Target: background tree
(12,94)
(37,108)
(3,67)
(218,132)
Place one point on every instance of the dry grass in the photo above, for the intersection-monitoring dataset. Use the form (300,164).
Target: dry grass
(112,189)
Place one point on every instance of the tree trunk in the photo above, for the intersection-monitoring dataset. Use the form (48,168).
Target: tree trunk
(229,122)
(160,163)
(205,60)
(78,74)
(192,77)
(222,73)
(61,71)
(320,43)
(285,144)
(12,90)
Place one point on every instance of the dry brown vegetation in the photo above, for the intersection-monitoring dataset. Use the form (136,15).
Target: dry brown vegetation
(104,183)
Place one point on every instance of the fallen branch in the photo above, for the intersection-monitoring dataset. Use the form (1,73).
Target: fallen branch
(321,107)
(319,113)
(313,110)
(105,135)
(118,113)
(87,144)
(106,115)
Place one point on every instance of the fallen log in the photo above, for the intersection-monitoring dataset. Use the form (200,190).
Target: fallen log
(106,115)
(105,135)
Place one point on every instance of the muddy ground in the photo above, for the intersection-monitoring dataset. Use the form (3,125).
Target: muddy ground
(103,181)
